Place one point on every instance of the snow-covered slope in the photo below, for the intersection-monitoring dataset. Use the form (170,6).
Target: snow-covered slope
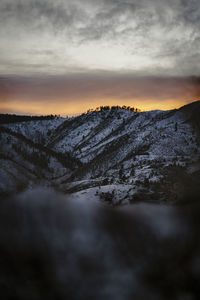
(158,133)
(24,162)
(38,131)
(115,147)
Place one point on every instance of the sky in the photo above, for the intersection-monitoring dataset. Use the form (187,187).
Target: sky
(66,56)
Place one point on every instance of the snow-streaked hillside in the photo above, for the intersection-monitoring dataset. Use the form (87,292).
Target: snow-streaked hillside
(155,132)
(141,151)
(37,131)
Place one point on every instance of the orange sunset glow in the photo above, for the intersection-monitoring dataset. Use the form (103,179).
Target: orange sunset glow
(76,96)
(71,109)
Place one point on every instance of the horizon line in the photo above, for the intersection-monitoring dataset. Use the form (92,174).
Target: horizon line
(95,109)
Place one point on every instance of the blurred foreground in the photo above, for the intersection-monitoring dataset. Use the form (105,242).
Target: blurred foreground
(54,248)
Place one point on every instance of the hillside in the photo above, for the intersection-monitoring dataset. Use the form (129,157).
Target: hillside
(117,155)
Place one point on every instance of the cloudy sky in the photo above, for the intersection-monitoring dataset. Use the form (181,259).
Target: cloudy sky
(78,54)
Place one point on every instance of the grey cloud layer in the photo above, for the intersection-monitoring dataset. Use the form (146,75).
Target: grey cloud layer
(107,86)
(163,32)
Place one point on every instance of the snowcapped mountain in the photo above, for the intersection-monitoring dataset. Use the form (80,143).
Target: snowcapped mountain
(116,155)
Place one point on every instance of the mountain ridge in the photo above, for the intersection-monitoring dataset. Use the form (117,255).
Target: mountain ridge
(111,147)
